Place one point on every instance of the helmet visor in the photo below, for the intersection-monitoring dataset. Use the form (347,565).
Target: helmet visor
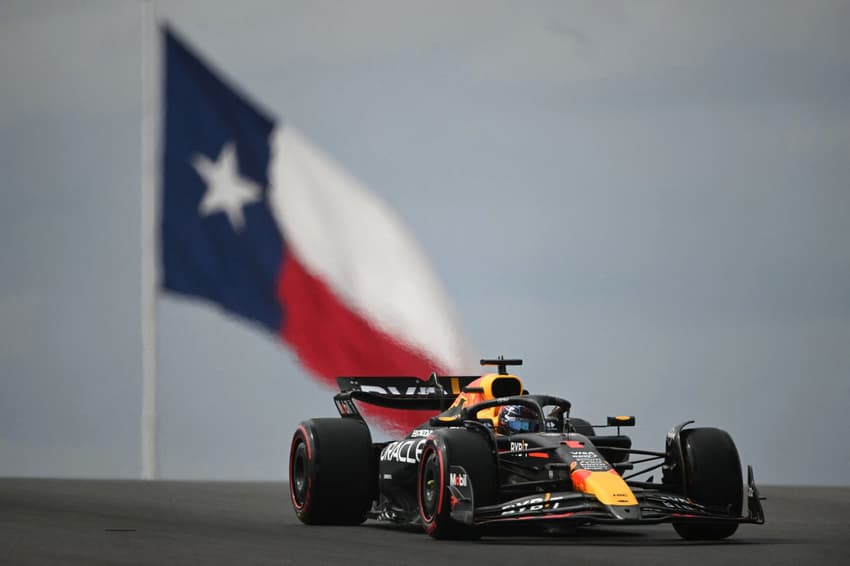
(521,425)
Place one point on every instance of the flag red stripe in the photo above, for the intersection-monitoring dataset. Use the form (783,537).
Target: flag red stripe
(330,340)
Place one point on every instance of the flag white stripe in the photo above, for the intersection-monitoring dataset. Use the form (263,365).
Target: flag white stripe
(345,235)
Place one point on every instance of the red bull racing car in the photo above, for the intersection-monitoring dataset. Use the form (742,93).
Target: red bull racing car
(493,454)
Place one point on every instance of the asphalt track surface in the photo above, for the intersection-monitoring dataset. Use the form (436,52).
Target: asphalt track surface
(73,522)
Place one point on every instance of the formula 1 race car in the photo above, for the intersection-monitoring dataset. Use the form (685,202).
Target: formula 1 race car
(493,454)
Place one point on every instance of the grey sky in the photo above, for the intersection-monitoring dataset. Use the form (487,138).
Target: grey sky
(649,202)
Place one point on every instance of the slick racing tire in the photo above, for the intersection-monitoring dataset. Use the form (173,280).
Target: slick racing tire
(713,478)
(332,472)
(470,450)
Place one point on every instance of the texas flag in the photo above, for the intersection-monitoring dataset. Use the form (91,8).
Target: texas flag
(260,222)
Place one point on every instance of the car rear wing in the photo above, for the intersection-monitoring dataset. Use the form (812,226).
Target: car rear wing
(403,392)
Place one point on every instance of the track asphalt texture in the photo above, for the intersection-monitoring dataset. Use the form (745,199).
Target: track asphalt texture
(96,522)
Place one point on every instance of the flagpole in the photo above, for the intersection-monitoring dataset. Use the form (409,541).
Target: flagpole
(151,91)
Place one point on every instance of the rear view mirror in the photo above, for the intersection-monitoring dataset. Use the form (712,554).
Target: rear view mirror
(622,420)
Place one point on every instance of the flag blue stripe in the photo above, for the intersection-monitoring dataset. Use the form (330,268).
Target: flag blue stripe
(205,256)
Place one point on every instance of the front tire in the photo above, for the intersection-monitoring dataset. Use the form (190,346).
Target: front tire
(455,447)
(332,472)
(712,478)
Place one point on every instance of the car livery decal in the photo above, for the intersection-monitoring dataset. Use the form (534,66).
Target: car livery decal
(404,451)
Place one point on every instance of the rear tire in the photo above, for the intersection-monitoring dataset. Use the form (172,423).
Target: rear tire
(713,478)
(332,472)
(455,447)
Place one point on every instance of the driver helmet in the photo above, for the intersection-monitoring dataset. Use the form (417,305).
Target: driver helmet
(517,418)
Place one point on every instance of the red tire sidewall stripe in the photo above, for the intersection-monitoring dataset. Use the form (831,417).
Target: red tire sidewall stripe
(301,434)
(431,524)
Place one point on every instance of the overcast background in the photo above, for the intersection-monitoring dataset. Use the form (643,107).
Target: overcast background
(648,201)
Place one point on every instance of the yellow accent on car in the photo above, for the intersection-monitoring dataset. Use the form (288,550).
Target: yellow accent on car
(609,488)
(487,387)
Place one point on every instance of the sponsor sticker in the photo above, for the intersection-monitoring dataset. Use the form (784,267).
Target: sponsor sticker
(545,502)
(458,479)
(403,451)
(519,446)
(407,391)
(590,461)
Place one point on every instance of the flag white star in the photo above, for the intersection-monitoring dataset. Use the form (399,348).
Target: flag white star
(227,191)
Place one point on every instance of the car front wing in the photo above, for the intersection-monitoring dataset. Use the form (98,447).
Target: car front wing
(654,506)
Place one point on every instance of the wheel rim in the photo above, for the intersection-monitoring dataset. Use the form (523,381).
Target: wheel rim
(429,487)
(299,474)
